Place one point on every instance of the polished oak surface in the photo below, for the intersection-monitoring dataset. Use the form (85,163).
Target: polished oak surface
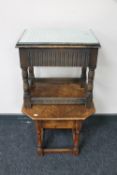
(58,112)
(46,89)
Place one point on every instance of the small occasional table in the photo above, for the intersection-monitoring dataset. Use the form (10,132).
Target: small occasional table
(58,102)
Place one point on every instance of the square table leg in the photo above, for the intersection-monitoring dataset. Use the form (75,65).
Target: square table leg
(76,134)
(39,130)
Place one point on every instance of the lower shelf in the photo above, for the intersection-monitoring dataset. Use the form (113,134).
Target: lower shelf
(54,91)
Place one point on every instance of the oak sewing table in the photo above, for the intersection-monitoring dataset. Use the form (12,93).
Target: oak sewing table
(58,102)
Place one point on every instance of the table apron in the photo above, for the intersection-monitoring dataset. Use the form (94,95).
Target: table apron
(58,100)
(55,57)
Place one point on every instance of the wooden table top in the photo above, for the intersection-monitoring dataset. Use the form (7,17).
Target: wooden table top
(58,112)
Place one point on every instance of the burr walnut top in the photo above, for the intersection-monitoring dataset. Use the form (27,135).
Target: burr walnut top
(57,38)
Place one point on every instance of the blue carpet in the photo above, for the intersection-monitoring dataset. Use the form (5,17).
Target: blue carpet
(98,149)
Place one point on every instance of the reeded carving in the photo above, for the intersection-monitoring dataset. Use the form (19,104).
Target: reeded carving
(59,57)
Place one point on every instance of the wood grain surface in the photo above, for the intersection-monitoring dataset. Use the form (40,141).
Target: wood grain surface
(58,112)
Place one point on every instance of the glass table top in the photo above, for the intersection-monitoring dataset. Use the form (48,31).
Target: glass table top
(59,36)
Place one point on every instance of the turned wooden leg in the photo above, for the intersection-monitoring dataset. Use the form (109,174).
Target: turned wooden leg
(39,137)
(90,86)
(31,75)
(76,134)
(83,77)
(27,100)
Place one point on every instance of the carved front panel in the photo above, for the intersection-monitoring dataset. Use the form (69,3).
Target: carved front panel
(58,57)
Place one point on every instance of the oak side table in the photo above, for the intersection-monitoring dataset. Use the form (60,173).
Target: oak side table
(58,102)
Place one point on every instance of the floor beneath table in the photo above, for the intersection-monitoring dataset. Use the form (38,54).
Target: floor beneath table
(98,144)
